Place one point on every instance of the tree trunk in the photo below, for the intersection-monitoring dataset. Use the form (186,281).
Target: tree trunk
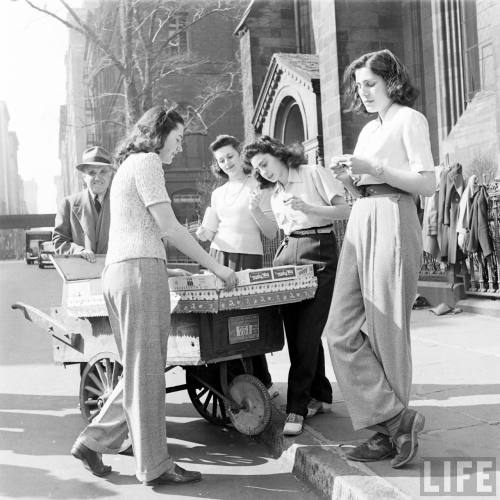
(132,107)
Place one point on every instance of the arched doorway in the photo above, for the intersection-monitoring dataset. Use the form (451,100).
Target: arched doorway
(289,126)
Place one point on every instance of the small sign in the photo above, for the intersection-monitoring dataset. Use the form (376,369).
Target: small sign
(260,275)
(243,328)
(284,272)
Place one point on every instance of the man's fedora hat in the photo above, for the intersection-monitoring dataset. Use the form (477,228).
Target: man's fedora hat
(95,157)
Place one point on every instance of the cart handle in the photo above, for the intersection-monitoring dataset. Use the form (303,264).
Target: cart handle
(55,328)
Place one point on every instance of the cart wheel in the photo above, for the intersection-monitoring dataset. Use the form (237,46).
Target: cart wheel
(210,406)
(99,378)
(255,412)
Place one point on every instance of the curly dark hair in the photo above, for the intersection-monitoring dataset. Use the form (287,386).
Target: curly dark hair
(149,133)
(219,142)
(292,155)
(385,64)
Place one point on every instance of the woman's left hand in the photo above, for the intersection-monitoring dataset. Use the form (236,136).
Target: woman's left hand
(360,165)
(255,200)
(299,204)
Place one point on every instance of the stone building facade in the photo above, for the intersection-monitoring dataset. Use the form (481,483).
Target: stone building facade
(291,49)
(211,41)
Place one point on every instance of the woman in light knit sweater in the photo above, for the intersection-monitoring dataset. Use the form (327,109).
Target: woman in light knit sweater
(239,213)
(135,286)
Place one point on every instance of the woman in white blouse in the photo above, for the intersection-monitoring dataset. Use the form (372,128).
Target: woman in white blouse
(306,199)
(239,213)
(368,328)
(135,287)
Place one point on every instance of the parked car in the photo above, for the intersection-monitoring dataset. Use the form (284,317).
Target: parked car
(45,250)
(33,238)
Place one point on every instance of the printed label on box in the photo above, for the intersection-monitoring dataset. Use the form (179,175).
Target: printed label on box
(258,276)
(284,272)
(243,328)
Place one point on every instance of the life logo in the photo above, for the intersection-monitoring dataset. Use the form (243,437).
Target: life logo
(458,476)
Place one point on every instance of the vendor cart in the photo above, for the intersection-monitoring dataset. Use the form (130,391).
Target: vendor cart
(213,333)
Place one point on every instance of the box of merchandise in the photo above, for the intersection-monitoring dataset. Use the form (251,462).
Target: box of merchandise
(206,281)
(280,273)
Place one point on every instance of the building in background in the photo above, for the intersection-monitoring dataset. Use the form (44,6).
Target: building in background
(31,196)
(11,188)
(294,52)
(72,123)
(95,111)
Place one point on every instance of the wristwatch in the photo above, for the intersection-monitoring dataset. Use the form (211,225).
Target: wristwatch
(379,170)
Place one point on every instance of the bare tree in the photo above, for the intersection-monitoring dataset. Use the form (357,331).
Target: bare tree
(483,166)
(142,43)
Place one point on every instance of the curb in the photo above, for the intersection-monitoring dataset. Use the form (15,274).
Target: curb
(481,305)
(323,466)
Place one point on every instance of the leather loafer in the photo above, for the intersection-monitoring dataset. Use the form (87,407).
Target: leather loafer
(91,460)
(406,437)
(178,476)
(378,447)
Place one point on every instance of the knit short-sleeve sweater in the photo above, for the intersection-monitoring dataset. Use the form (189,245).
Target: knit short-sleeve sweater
(133,233)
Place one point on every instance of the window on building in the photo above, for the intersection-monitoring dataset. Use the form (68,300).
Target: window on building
(303,27)
(473,75)
(186,205)
(487,67)
(177,44)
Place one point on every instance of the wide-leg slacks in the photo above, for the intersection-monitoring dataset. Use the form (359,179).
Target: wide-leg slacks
(138,302)
(368,327)
(304,321)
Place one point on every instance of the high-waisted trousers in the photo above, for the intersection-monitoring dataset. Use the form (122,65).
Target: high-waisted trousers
(368,328)
(138,302)
(304,321)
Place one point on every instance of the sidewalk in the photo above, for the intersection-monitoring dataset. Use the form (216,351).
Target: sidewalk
(456,385)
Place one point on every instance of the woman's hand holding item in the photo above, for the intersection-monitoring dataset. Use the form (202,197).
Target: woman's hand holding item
(255,200)
(340,165)
(228,276)
(297,203)
(204,234)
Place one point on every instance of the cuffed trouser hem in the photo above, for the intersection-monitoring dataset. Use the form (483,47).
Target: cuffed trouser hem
(165,466)
(94,445)
(367,423)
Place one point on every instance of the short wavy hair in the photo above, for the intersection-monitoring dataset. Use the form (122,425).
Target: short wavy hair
(149,133)
(219,142)
(385,64)
(292,155)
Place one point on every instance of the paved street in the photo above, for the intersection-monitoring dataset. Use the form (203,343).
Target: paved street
(39,420)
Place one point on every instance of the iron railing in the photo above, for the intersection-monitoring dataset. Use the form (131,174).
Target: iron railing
(481,278)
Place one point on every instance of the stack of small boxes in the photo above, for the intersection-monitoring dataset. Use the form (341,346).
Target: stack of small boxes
(256,288)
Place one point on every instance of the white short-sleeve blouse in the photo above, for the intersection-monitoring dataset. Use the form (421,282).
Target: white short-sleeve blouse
(237,231)
(401,141)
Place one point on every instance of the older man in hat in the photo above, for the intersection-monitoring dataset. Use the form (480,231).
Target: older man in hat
(82,219)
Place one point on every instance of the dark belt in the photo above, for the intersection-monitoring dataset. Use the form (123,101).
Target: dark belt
(312,230)
(379,190)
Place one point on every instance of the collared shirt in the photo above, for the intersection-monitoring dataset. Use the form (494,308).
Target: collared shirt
(316,185)
(400,141)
